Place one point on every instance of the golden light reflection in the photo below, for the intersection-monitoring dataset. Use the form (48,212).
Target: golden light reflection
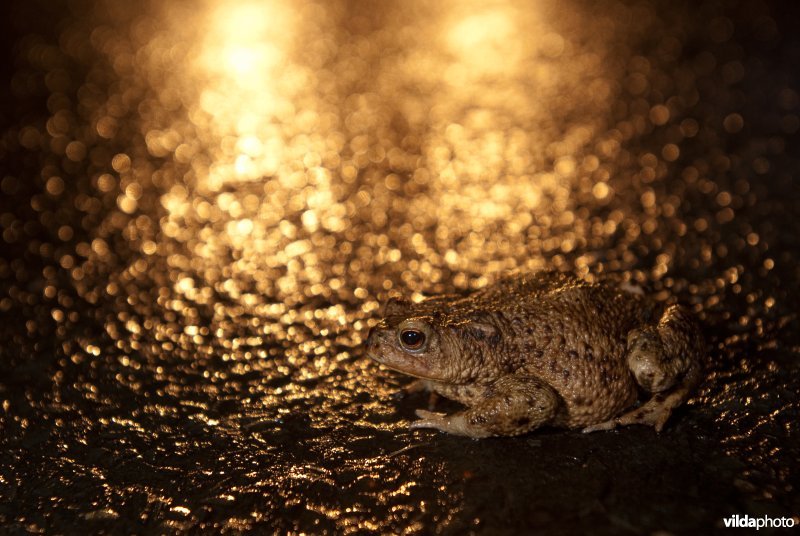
(508,138)
(248,85)
(254,109)
(485,40)
(245,41)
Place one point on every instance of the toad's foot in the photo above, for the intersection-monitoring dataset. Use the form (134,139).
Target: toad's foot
(513,405)
(653,413)
(453,424)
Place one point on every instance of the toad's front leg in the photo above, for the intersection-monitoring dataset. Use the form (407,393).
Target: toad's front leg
(420,385)
(513,405)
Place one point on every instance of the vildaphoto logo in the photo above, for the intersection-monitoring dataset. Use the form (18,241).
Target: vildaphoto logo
(764,522)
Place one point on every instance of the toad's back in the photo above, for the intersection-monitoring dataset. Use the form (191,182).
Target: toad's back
(571,334)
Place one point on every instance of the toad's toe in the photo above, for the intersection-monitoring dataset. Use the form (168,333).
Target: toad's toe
(429,419)
(599,427)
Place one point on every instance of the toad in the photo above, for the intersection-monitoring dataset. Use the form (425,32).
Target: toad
(543,349)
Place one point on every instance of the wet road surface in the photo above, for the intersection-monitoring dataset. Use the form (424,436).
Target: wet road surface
(204,205)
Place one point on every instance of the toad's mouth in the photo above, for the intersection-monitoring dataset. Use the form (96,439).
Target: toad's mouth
(408,372)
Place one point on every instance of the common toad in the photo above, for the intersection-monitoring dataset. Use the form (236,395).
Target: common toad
(543,349)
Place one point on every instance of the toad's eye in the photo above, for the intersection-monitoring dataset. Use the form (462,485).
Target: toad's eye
(412,339)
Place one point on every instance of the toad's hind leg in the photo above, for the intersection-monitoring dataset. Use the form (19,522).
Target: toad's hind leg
(513,405)
(665,360)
